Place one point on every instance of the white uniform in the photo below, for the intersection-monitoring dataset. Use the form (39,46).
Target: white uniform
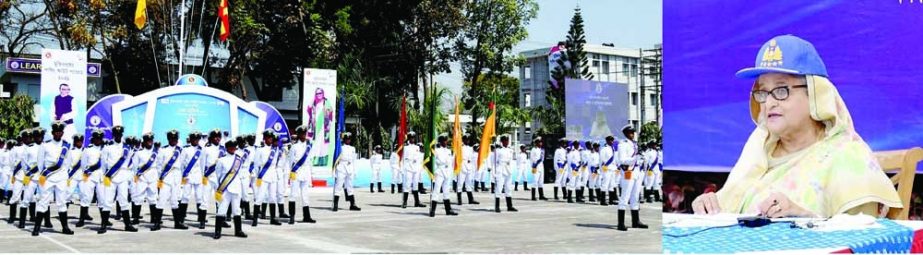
(266,160)
(32,168)
(210,155)
(573,169)
(396,176)
(345,170)
(90,176)
(247,170)
(74,163)
(302,154)
(376,162)
(5,169)
(560,164)
(411,166)
(231,183)
(466,176)
(17,172)
(503,172)
(146,172)
(585,158)
(630,160)
(53,154)
(537,166)
(522,168)
(608,172)
(442,182)
(117,162)
(650,162)
(170,163)
(192,167)
(282,174)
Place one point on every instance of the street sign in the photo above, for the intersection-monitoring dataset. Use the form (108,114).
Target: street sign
(34,66)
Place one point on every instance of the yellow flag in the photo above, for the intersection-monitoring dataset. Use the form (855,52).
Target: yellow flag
(141,14)
(487,136)
(457,139)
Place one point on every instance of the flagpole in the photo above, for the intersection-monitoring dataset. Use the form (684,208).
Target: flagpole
(182,36)
(205,63)
(156,65)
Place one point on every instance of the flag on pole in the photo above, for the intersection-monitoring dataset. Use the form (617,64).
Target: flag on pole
(341,127)
(429,163)
(225,17)
(457,139)
(141,14)
(402,130)
(487,136)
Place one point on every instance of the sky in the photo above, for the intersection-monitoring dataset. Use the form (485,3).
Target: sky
(625,23)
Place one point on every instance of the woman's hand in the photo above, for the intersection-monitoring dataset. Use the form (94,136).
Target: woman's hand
(706,204)
(778,205)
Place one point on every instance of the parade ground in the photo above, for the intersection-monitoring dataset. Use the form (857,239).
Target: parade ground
(381,227)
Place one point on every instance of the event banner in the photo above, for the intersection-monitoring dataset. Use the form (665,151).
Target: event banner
(319,115)
(595,109)
(64,90)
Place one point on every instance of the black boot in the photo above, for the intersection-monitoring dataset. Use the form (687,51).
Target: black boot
(555,193)
(613,198)
(493,188)
(372,187)
(238,227)
(392,188)
(455,186)
(592,195)
(218,227)
(379,188)
(22,217)
(657,196)
(352,203)
(177,219)
(336,203)
(62,217)
(448,208)
(400,187)
(82,219)
(432,208)
(621,226)
(32,212)
(459,198)
(569,195)
(404,204)
(156,215)
(282,213)
(263,211)
(37,227)
(636,219)
(87,216)
(246,207)
(509,205)
(471,199)
(497,205)
(12,217)
(291,212)
(515,186)
(127,221)
(136,214)
(118,212)
(153,208)
(421,188)
(602,198)
(525,185)
(201,214)
(272,215)
(256,215)
(416,200)
(541,194)
(47,219)
(533,195)
(104,215)
(580,195)
(306,215)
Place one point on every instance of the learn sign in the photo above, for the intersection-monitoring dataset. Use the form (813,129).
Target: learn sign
(31,65)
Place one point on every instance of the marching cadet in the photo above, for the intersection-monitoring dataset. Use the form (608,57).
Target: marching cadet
(16,178)
(144,185)
(267,157)
(31,167)
(74,163)
(560,164)
(243,145)
(283,187)
(572,170)
(397,177)
(192,166)
(629,162)
(4,168)
(230,187)
(503,174)
(585,153)
(466,177)
(116,178)
(210,155)
(652,162)
(607,168)
(90,176)
(491,173)
(522,166)
(345,170)
(411,168)
(376,161)
(593,185)
(537,158)
(300,177)
(444,172)
(53,179)
(169,162)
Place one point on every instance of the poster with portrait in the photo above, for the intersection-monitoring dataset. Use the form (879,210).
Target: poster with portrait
(64,90)
(318,113)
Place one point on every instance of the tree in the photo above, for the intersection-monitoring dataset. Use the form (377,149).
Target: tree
(493,28)
(650,132)
(573,65)
(17,115)
(20,21)
(503,90)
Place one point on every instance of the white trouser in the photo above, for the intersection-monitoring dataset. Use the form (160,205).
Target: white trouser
(282,189)
(631,191)
(573,178)
(117,192)
(169,196)
(560,178)
(300,189)
(264,193)
(441,189)
(195,191)
(17,192)
(248,193)
(144,191)
(504,185)
(410,181)
(594,180)
(376,175)
(605,179)
(397,177)
(485,176)
(465,181)
(418,177)
(53,191)
(87,188)
(538,177)
(229,200)
(658,181)
(343,180)
(583,178)
(29,195)
(5,181)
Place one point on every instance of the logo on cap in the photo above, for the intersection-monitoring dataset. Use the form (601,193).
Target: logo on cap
(772,57)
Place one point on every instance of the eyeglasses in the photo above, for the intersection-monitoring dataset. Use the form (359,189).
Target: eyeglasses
(779,93)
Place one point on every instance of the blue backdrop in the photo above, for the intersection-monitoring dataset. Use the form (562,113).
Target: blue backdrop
(872,50)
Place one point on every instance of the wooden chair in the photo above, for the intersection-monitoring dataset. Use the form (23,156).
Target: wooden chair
(903,163)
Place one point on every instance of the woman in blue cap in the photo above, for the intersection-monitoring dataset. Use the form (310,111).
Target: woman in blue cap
(804,158)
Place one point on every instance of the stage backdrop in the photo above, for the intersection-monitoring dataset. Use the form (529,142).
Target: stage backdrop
(595,109)
(319,114)
(64,90)
(871,50)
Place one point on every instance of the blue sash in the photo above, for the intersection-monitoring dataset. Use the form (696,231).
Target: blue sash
(169,166)
(301,161)
(225,181)
(75,168)
(118,164)
(195,157)
(149,163)
(211,169)
(64,147)
(534,165)
(93,168)
(272,155)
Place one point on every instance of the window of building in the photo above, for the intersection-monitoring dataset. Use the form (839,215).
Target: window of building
(595,63)
(653,99)
(605,67)
(625,69)
(634,70)
(634,98)
(527,72)
(528,99)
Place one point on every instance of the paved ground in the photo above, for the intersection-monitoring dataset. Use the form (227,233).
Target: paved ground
(381,227)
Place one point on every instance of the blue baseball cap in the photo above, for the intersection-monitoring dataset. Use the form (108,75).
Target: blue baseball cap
(786,54)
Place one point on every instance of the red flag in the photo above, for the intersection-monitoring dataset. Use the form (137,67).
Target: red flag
(225,20)
(402,131)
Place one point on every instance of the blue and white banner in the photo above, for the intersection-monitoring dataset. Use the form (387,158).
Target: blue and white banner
(64,90)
